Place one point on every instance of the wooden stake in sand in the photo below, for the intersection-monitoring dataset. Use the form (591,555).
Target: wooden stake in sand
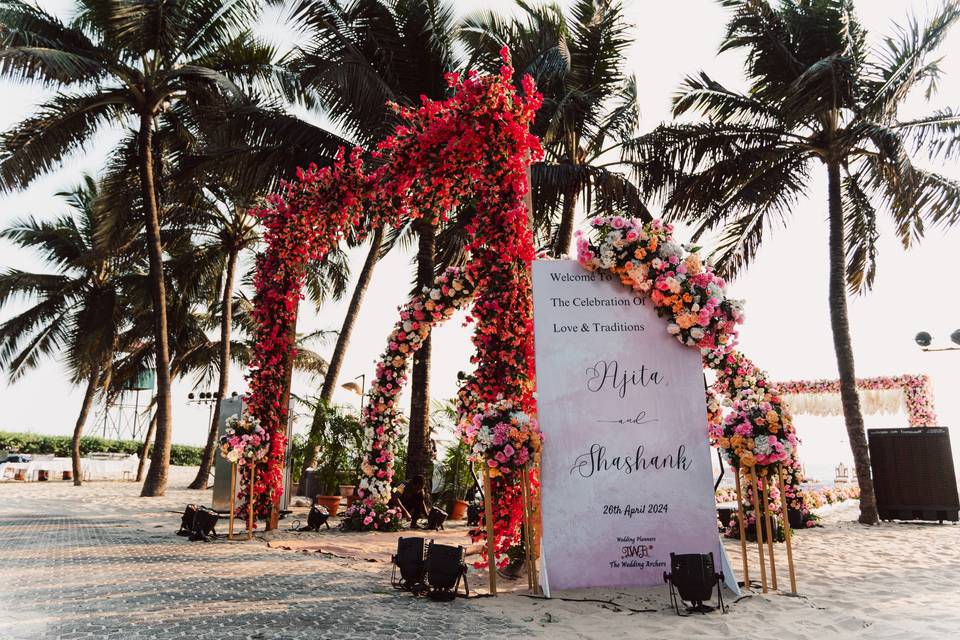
(233,498)
(787,533)
(488,513)
(526,524)
(757,514)
(769,520)
(250,500)
(742,525)
(529,529)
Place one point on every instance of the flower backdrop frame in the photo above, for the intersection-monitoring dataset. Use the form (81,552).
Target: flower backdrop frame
(475,149)
(883,395)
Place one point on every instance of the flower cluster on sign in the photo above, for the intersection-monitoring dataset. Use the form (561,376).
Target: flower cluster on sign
(757,430)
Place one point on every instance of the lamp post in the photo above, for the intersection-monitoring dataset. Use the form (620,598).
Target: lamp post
(359,389)
(924,340)
(208,398)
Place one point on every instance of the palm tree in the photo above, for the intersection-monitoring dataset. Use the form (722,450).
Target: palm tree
(127,63)
(360,57)
(75,312)
(229,229)
(817,97)
(589,108)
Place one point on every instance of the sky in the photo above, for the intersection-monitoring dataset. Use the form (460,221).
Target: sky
(787,330)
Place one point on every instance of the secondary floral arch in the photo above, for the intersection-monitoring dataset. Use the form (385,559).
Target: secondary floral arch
(912,393)
(472,149)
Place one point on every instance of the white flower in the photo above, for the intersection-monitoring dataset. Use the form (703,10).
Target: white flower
(673,329)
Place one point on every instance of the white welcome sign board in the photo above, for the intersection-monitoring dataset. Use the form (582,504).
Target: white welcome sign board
(626,474)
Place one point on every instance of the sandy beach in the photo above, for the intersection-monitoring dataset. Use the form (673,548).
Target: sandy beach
(895,580)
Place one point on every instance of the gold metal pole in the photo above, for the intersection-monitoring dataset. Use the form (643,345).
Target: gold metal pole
(488,513)
(757,514)
(769,520)
(787,533)
(233,498)
(742,525)
(250,500)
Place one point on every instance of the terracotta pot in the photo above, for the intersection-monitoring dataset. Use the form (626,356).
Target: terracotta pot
(43,476)
(68,475)
(332,503)
(347,490)
(350,500)
(459,511)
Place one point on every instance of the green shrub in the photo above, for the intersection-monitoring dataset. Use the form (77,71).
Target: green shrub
(60,446)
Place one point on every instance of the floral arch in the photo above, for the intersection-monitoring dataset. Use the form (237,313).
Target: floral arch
(475,147)
(472,148)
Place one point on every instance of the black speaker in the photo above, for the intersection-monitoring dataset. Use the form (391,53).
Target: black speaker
(913,474)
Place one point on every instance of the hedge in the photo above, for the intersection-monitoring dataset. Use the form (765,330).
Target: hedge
(60,446)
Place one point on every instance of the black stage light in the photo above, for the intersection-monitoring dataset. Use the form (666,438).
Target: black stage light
(446,566)
(190,396)
(923,339)
(198,523)
(693,576)
(955,337)
(317,518)
(436,518)
(410,560)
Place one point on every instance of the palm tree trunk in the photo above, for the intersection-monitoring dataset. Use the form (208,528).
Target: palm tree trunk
(844,350)
(146,446)
(567,219)
(81,421)
(339,352)
(419,462)
(226,324)
(156,482)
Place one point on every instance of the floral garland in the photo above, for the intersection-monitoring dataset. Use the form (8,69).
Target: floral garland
(451,291)
(683,289)
(917,393)
(758,431)
(473,146)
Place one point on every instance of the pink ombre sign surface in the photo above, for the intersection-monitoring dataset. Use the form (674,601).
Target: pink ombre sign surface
(626,476)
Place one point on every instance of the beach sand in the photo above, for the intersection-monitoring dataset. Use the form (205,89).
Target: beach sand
(894,580)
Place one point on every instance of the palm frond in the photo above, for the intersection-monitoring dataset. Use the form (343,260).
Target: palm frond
(861,234)
(62,125)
